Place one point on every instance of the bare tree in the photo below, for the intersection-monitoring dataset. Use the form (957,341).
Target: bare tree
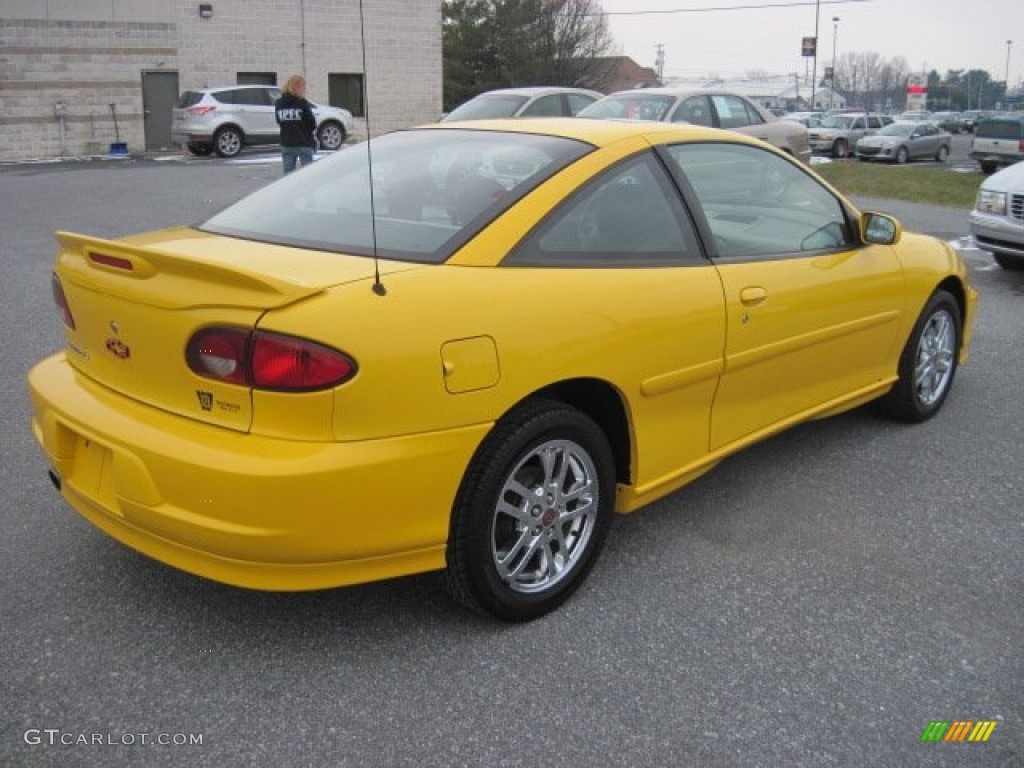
(870,81)
(550,42)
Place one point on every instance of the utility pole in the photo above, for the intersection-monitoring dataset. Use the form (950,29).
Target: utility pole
(659,60)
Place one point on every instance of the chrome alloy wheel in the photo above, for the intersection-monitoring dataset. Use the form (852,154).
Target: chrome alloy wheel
(331,136)
(229,143)
(545,515)
(933,366)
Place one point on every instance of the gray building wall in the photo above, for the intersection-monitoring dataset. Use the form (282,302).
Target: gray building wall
(88,54)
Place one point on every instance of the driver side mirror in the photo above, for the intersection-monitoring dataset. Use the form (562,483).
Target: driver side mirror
(880,229)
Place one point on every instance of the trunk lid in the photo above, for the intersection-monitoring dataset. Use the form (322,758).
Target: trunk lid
(137,301)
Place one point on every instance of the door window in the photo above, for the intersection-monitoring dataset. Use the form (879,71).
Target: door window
(545,106)
(733,112)
(695,110)
(578,101)
(759,205)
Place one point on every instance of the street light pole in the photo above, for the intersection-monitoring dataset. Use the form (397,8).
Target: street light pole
(1008,44)
(814,72)
(832,84)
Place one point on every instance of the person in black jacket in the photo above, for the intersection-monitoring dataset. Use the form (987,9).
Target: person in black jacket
(298,125)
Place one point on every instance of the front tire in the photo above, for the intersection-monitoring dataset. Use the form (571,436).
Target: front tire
(227,142)
(928,362)
(331,136)
(840,148)
(532,512)
(901,155)
(942,154)
(200,150)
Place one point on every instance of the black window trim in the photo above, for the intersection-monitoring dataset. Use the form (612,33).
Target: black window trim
(704,231)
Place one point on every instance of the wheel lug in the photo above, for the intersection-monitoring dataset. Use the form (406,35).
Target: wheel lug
(535,511)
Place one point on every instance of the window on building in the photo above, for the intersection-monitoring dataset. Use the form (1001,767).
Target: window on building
(256,78)
(346,90)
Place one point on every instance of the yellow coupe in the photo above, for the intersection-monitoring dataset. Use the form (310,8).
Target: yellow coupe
(465,346)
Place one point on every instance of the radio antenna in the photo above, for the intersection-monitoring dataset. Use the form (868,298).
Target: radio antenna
(378,286)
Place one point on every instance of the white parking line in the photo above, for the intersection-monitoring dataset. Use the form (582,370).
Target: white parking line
(268,159)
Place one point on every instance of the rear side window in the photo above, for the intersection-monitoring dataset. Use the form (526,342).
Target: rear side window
(257,97)
(630,216)
(999,129)
(189,99)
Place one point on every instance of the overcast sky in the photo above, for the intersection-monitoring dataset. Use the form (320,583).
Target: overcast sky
(936,34)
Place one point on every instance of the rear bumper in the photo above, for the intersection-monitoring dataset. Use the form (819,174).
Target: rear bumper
(243,509)
(191,137)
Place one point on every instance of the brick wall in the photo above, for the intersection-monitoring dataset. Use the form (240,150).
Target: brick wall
(88,54)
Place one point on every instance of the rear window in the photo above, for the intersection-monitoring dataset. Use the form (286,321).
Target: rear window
(999,129)
(630,107)
(433,190)
(487,107)
(189,99)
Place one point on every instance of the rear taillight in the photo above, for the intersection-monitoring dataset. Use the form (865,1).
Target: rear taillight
(203,110)
(1020,146)
(219,353)
(267,360)
(62,302)
(285,362)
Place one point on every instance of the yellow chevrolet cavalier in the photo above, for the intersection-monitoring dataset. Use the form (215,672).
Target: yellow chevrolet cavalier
(466,346)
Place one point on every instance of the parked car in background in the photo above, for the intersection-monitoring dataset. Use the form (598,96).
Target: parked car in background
(524,102)
(283,398)
(715,109)
(972,116)
(915,116)
(838,134)
(901,142)
(806,119)
(949,121)
(224,120)
(998,141)
(997,221)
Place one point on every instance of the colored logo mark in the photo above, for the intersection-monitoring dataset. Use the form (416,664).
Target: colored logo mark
(958,730)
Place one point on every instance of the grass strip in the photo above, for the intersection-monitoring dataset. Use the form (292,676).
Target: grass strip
(930,186)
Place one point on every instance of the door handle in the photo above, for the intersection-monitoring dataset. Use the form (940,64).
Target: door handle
(753,294)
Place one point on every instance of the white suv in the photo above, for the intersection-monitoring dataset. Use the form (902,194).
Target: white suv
(223,120)
(997,221)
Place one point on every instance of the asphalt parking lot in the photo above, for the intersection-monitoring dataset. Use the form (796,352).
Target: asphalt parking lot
(816,600)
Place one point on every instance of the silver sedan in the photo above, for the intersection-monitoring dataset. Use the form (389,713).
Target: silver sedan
(900,142)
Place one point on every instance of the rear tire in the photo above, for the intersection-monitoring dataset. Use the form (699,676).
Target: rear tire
(227,142)
(928,362)
(200,150)
(331,135)
(532,512)
(987,167)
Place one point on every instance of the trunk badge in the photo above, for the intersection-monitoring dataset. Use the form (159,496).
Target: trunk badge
(118,348)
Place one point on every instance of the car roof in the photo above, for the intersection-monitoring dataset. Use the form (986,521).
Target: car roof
(535,90)
(218,89)
(668,90)
(598,132)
